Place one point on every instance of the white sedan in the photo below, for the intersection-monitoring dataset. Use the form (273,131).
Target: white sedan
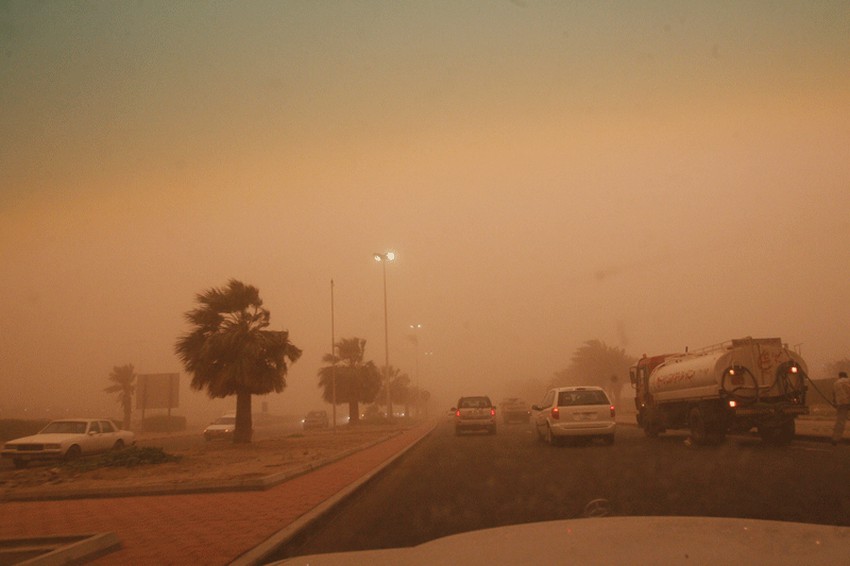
(68,439)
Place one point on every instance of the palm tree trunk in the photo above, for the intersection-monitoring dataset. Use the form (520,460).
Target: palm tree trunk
(244,422)
(353,412)
(128,409)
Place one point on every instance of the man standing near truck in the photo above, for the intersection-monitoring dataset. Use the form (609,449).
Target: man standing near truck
(841,397)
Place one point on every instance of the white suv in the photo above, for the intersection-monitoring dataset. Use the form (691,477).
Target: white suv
(584,412)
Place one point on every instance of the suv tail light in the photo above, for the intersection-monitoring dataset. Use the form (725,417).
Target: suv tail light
(612,411)
(556,413)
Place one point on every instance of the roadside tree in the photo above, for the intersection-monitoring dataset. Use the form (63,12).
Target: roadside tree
(596,363)
(229,350)
(400,389)
(123,380)
(349,377)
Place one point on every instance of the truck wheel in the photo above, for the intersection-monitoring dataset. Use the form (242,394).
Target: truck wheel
(703,430)
(652,430)
(699,432)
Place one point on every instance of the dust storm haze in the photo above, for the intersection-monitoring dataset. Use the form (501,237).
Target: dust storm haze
(653,175)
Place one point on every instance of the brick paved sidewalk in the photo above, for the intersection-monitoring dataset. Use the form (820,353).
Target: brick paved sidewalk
(201,529)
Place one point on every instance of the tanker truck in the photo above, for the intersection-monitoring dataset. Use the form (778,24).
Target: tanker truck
(733,387)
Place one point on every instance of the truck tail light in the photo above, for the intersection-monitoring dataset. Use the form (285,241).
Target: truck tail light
(613,412)
(556,414)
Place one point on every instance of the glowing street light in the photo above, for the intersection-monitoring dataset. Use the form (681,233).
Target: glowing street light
(384,259)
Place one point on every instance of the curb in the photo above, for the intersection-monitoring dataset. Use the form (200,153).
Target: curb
(210,486)
(260,553)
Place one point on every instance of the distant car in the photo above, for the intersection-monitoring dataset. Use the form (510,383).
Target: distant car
(316,419)
(583,412)
(514,410)
(222,428)
(475,413)
(68,439)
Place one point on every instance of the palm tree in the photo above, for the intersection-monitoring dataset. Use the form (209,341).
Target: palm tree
(355,381)
(230,352)
(123,383)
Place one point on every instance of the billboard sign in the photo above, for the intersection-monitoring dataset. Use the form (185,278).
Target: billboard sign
(158,391)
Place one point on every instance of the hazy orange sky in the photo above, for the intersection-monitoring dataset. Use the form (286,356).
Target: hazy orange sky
(655,175)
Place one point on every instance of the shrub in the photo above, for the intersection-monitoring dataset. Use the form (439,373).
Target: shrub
(126,458)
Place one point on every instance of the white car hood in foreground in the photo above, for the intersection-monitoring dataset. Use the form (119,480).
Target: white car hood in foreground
(50,438)
(619,540)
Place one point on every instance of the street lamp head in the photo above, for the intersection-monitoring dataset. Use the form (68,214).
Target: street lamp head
(389,256)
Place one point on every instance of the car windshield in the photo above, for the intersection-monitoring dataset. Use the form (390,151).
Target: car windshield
(567,398)
(225,421)
(65,427)
(315,415)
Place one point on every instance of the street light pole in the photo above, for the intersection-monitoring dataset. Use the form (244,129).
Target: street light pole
(415,338)
(383,259)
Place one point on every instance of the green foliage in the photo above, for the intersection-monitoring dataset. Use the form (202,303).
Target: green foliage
(126,458)
(228,351)
(596,363)
(356,381)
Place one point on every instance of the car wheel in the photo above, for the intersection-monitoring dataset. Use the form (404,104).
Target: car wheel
(492,430)
(19,463)
(457,431)
(119,445)
(73,453)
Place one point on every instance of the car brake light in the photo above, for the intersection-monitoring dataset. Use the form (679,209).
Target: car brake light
(556,414)
(457,413)
(612,411)
(492,412)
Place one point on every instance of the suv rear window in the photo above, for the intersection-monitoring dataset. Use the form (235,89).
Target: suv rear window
(567,398)
(473,403)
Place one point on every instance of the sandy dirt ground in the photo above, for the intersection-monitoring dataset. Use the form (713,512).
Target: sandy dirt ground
(215,463)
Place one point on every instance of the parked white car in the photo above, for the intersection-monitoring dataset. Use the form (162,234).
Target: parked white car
(222,428)
(68,439)
(584,412)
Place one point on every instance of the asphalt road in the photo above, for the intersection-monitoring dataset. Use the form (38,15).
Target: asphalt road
(449,484)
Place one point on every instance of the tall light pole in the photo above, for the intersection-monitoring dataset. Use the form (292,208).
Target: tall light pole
(415,338)
(384,259)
